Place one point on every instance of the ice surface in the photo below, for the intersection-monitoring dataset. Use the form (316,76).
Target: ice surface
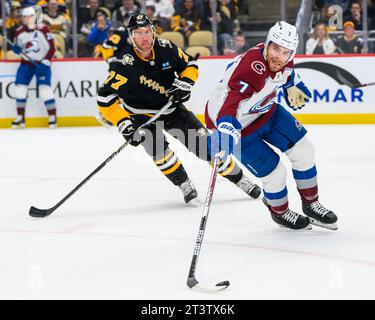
(127,234)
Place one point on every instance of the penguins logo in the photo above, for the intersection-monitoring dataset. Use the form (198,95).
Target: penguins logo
(127,59)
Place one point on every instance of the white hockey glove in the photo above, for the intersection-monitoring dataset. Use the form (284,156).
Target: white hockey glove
(296,93)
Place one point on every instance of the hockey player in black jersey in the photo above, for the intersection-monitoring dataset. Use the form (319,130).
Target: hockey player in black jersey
(145,76)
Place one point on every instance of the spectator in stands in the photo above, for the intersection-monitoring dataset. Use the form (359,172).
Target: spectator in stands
(150,12)
(56,20)
(199,6)
(225,15)
(122,14)
(14,20)
(320,42)
(87,16)
(188,20)
(239,45)
(86,20)
(355,15)
(99,30)
(164,10)
(61,7)
(349,42)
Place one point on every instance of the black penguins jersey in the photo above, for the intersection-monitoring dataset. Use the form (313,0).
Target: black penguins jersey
(141,86)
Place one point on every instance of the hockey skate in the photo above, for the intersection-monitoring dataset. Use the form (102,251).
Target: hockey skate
(289,219)
(251,189)
(190,193)
(52,121)
(319,215)
(19,122)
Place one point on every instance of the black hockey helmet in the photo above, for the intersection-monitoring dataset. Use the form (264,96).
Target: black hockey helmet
(139,21)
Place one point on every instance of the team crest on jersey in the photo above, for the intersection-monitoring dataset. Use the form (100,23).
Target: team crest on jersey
(153,85)
(126,59)
(32,46)
(164,43)
(258,67)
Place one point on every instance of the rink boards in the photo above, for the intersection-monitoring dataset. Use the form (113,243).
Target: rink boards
(75,82)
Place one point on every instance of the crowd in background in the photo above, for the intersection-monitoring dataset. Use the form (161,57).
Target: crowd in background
(328,38)
(96,19)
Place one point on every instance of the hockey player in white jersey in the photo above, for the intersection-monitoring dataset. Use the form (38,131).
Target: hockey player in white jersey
(38,47)
(243,112)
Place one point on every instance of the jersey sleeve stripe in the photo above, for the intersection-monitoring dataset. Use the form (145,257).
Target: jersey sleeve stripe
(106,101)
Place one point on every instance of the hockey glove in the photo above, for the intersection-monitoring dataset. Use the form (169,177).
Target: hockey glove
(226,137)
(127,129)
(181,90)
(296,93)
(16,49)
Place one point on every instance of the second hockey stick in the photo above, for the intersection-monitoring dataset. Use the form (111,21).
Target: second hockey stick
(192,282)
(41,213)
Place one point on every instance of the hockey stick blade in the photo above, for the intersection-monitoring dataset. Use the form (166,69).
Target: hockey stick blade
(207,288)
(39,213)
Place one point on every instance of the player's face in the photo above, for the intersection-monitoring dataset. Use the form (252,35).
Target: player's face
(277,57)
(143,38)
(29,21)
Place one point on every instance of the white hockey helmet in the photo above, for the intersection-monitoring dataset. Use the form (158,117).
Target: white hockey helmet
(28,11)
(285,35)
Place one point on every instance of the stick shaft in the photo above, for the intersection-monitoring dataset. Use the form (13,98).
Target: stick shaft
(206,210)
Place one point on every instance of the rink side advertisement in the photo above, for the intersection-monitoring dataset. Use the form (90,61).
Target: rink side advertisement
(335,81)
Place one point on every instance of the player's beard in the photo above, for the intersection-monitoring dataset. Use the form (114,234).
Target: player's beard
(275,65)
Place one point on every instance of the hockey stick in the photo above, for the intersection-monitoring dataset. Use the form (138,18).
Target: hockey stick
(192,282)
(41,213)
(22,53)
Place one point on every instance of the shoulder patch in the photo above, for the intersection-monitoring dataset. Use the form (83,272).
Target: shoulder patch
(164,42)
(126,59)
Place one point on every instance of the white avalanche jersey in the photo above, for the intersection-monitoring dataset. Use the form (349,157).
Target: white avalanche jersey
(247,92)
(38,44)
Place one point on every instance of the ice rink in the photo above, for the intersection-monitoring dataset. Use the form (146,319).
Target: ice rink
(127,234)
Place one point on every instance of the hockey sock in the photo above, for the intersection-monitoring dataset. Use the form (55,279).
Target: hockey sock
(51,107)
(278,201)
(171,167)
(307,184)
(230,170)
(21,104)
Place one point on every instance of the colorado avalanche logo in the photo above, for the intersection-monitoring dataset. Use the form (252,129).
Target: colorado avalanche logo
(265,104)
(258,67)
(32,46)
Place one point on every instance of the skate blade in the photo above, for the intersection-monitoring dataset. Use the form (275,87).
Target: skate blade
(308,227)
(18,126)
(196,202)
(330,226)
(53,126)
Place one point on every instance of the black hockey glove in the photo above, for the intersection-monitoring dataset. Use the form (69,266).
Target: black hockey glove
(128,130)
(181,90)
